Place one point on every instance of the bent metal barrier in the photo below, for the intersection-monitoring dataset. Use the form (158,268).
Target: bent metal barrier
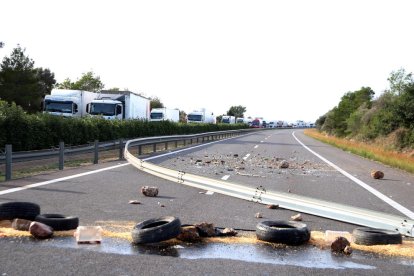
(289,201)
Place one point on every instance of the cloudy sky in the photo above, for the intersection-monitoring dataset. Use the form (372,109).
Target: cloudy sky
(286,60)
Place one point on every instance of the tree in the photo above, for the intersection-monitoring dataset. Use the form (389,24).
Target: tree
(22,83)
(219,118)
(87,82)
(183,117)
(237,111)
(399,80)
(156,103)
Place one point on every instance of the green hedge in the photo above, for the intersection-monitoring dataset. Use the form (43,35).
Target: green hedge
(43,131)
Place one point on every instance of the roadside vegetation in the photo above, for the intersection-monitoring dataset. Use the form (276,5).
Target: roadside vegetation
(379,128)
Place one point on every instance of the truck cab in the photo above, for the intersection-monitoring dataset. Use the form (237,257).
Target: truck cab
(63,106)
(107,108)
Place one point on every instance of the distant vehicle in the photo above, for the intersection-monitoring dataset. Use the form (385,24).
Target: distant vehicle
(201,116)
(165,114)
(271,124)
(69,103)
(120,105)
(257,123)
(240,121)
(228,120)
(300,123)
(264,124)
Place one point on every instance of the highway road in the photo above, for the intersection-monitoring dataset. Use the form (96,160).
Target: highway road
(100,193)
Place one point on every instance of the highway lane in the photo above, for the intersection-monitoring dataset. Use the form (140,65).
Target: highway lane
(103,197)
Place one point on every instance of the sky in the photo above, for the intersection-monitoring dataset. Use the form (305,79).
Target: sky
(283,60)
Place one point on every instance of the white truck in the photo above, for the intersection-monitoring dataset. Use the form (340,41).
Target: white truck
(120,105)
(201,116)
(69,103)
(165,114)
(228,120)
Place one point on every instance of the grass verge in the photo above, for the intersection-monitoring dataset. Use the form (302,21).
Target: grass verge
(373,152)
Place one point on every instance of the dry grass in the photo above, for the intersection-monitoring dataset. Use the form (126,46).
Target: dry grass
(395,159)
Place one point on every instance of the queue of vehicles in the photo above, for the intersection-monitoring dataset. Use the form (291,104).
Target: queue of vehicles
(124,105)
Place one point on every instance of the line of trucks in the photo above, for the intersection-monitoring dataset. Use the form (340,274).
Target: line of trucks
(115,105)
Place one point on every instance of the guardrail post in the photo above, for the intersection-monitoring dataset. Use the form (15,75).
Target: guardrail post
(166,145)
(139,150)
(154,147)
(176,144)
(61,154)
(185,142)
(121,149)
(8,162)
(96,155)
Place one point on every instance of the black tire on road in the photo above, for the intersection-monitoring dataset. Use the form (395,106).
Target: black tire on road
(373,236)
(286,232)
(21,210)
(58,222)
(156,230)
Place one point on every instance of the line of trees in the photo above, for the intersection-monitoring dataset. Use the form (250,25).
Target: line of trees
(358,115)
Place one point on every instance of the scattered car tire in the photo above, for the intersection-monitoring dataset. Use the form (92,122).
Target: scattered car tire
(58,222)
(156,230)
(286,232)
(21,210)
(373,236)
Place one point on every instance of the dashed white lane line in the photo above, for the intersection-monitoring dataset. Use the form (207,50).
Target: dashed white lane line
(209,193)
(381,196)
(247,156)
(256,146)
(261,141)
(225,177)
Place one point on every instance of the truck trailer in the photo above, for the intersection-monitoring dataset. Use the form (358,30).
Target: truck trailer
(201,116)
(69,103)
(120,105)
(165,114)
(228,120)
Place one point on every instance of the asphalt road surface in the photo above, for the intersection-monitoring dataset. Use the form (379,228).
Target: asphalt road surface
(101,194)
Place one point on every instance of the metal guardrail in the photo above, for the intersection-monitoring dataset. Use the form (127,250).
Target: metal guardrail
(60,152)
(289,201)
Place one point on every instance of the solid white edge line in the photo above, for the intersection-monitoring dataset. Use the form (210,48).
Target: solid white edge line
(26,187)
(378,194)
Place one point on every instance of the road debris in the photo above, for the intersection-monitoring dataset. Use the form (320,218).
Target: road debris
(149,191)
(226,232)
(206,229)
(189,234)
(40,230)
(377,174)
(5,224)
(258,215)
(339,245)
(297,217)
(21,224)
(134,202)
(272,206)
(284,164)
(88,234)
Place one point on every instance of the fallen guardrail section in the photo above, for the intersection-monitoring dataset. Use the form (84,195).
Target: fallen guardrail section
(340,212)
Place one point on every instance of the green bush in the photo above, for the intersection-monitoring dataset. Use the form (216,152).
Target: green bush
(41,131)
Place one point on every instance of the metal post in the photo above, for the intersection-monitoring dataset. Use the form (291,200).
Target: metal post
(139,150)
(185,142)
(154,147)
(166,145)
(61,154)
(176,144)
(121,149)
(96,156)
(9,162)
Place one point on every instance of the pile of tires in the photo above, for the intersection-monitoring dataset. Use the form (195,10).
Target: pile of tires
(284,232)
(156,230)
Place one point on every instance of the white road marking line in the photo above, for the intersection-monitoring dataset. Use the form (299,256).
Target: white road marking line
(378,194)
(247,156)
(256,146)
(209,193)
(225,177)
(261,141)
(26,187)
(58,180)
